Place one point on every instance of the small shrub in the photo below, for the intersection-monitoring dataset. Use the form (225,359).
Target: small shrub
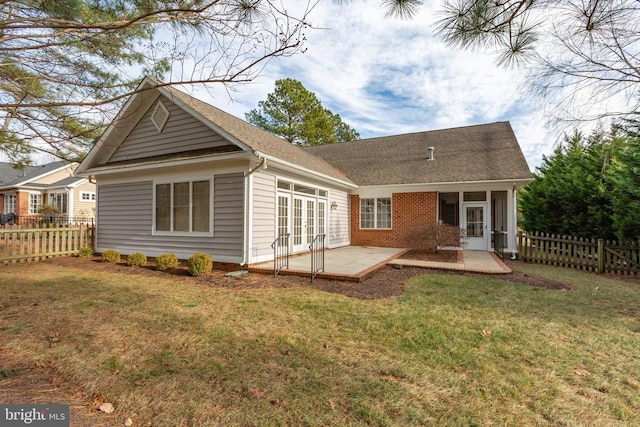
(200,264)
(85,252)
(136,259)
(166,262)
(111,255)
(428,236)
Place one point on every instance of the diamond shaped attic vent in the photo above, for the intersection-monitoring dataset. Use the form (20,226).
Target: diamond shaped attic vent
(160,116)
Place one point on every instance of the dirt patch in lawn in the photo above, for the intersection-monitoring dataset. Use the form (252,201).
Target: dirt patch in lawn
(384,283)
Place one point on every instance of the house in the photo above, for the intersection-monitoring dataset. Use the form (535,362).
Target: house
(177,175)
(23,192)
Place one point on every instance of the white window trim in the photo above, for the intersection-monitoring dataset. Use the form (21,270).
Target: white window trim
(375,213)
(209,233)
(91,194)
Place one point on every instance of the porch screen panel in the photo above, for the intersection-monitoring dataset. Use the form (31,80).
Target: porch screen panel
(200,207)
(181,206)
(499,210)
(450,208)
(163,207)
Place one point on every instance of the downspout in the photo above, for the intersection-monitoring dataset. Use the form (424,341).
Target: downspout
(247,199)
(514,239)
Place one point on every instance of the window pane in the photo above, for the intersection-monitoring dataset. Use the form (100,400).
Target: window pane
(201,206)
(163,207)
(367,213)
(181,206)
(283,219)
(35,201)
(383,218)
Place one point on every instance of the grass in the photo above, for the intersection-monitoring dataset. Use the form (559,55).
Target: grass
(453,350)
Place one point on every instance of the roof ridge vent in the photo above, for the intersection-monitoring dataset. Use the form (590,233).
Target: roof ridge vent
(430,155)
(160,116)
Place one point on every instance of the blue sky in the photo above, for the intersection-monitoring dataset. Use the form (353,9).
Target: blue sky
(385,76)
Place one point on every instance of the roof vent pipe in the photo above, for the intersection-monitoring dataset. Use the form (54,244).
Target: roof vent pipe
(430,157)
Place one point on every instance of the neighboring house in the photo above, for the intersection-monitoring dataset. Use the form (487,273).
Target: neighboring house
(24,191)
(175,174)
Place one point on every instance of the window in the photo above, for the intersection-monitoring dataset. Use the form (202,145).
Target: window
(183,207)
(375,213)
(35,201)
(9,203)
(58,200)
(87,196)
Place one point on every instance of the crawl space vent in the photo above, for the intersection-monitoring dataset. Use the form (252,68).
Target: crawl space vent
(160,116)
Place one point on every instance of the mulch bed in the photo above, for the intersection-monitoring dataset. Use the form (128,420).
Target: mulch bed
(384,283)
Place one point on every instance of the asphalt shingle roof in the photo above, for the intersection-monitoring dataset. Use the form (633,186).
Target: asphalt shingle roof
(10,176)
(473,153)
(258,139)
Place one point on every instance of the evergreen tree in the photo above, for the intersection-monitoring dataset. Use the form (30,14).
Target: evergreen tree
(625,180)
(570,193)
(296,114)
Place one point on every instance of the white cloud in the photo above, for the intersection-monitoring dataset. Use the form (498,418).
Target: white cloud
(388,77)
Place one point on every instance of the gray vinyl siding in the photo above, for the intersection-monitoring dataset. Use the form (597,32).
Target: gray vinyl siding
(182,132)
(264,215)
(125,222)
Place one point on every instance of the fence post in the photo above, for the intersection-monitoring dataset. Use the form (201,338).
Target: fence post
(600,256)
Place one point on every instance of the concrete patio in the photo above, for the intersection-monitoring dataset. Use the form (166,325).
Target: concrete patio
(355,263)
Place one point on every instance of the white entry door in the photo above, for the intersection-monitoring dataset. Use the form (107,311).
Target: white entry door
(475,224)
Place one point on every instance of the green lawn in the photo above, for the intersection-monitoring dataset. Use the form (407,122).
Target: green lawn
(453,350)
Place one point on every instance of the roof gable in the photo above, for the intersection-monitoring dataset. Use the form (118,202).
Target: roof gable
(487,152)
(31,175)
(235,131)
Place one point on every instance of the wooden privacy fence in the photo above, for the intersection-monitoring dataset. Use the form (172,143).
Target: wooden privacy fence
(602,256)
(36,243)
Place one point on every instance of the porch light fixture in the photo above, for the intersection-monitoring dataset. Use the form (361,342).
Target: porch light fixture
(334,206)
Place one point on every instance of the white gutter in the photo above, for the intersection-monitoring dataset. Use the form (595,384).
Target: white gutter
(248,208)
(304,171)
(108,169)
(415,184)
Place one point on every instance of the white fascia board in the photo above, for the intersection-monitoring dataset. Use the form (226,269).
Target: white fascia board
(104,170)
(303,171)
(519,183)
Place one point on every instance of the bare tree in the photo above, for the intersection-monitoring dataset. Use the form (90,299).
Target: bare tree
(67,65)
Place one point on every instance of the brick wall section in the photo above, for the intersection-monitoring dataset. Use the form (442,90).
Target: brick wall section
(22,203)
(407,210)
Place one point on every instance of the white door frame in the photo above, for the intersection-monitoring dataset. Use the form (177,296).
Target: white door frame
(478,237)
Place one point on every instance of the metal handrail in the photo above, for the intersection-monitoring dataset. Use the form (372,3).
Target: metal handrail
(280,248)
(317,255)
